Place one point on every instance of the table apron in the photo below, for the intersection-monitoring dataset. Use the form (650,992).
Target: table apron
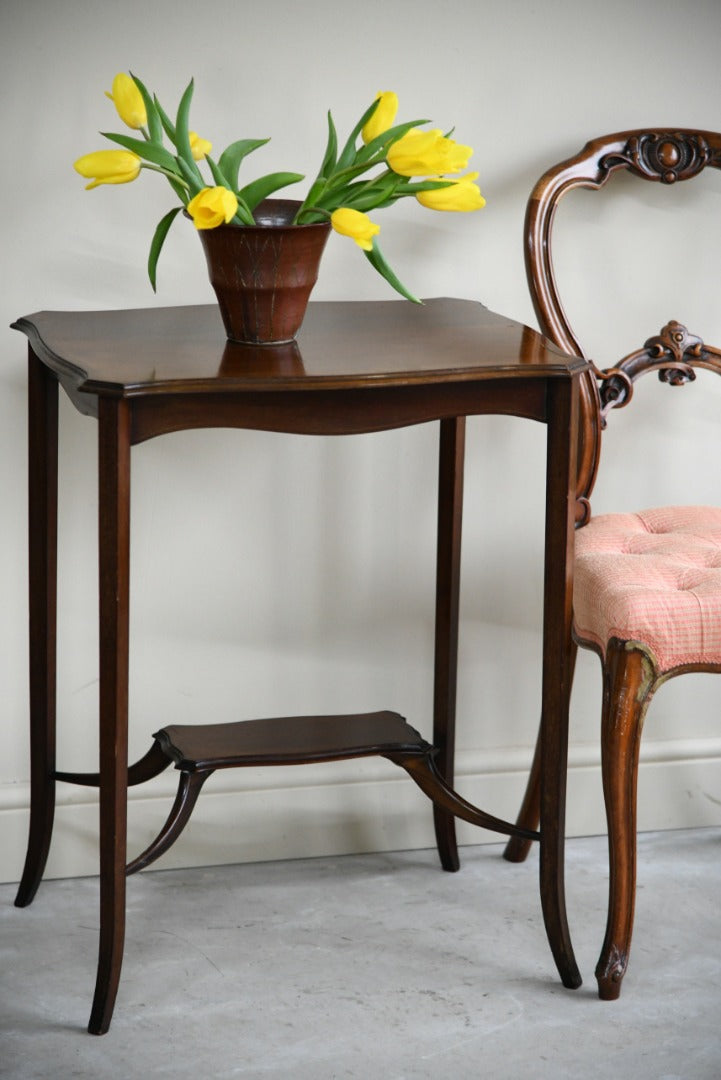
(336,411)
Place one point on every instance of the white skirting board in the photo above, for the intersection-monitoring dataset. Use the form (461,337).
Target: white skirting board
(254,815)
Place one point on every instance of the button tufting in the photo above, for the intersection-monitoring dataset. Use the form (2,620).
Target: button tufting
(653,577)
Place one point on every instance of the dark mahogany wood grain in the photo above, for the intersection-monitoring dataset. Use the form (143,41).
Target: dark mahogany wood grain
(561,472)
(114,586)
(43,531)
(356,367)
(660,155)
(295,739)
(341,345)
(448,585)
(631,672)
(199,749)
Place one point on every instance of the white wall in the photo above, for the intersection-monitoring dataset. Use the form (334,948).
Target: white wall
(277,574)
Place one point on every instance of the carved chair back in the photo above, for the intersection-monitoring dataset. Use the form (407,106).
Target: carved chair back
(662,155)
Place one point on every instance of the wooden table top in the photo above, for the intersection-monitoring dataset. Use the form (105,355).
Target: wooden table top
(343,345)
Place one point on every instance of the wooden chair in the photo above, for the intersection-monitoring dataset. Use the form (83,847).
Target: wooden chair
(647,586)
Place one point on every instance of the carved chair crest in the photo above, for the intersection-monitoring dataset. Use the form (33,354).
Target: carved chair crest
(663,155)
(667,156)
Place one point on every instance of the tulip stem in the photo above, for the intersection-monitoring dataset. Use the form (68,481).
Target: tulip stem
(166,172)
(317,210)
(325,185)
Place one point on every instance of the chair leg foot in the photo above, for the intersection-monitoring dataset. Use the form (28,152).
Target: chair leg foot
(610,970)
(608,989)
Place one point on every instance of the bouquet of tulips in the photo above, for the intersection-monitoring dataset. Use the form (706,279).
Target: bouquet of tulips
(379,163)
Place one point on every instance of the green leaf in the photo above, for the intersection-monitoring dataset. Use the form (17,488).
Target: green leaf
(382,141)
(388,202)
(157,243)
(331,150)
(218,175)
(367,202)
(375,258)
(180,190)
(244,212)
(311,216)
(363,196)
(316,189)
(233,155)
(260,189)
(342,180)
(243,216)
(158,155)
(192,176)
(413,187)
(155,127)
(182,137)
(165,120)
(348,152)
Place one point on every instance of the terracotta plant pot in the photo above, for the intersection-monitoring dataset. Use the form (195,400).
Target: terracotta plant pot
(263,274)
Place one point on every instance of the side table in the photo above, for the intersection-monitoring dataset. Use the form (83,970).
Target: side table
(356,367)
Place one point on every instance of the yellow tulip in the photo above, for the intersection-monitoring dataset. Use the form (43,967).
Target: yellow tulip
(108,167)
(427,153)
(128,101)
(356,225)
(199,147)
(383,117)
(463,195)
(212,207)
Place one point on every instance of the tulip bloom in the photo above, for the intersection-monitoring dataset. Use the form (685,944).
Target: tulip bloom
(383,117)
(427,153)
(108,167)
(199,147)
(356,225)
(463,195)
(128,101)
(212,207)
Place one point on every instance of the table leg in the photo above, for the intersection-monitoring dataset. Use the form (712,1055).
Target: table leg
(529,815)
(43,542)
(562,444)
(114,552)
(448,576)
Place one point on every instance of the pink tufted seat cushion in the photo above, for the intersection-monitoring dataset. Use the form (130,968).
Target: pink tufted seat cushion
(652,577)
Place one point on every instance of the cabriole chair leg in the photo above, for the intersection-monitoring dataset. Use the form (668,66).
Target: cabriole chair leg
(629,684)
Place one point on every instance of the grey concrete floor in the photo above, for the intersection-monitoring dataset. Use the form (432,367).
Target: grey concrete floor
(371,966)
